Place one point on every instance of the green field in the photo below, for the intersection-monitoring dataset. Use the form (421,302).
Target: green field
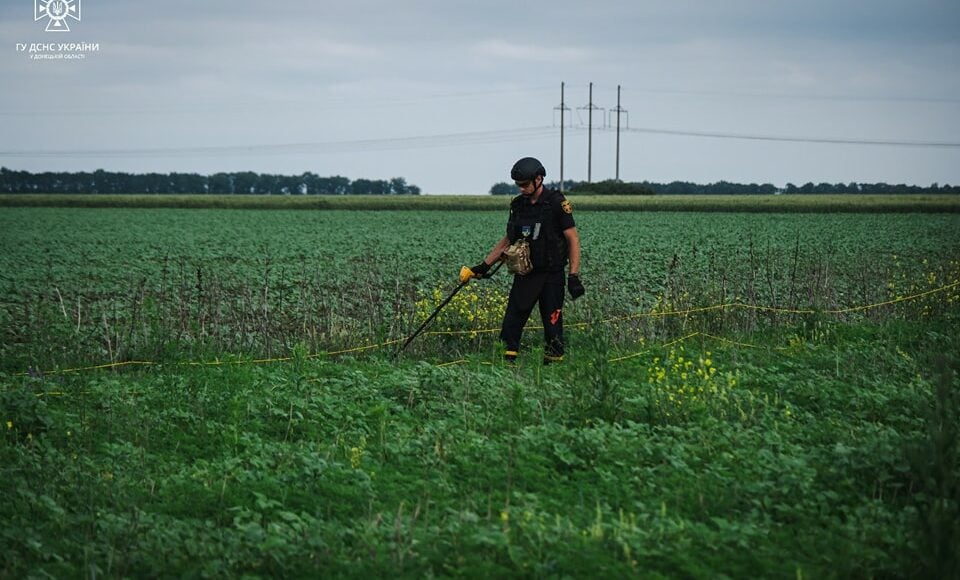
(747,393)
(694,203)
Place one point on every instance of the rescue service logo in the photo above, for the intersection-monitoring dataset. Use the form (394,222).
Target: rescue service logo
(57,12)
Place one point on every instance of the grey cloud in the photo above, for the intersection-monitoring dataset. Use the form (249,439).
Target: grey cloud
(183,73)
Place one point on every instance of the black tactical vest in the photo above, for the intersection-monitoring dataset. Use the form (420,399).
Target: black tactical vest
(536,223)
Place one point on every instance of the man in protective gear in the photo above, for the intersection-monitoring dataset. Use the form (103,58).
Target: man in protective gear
(541,238)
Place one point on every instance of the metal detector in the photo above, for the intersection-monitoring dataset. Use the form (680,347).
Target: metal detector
(430,318)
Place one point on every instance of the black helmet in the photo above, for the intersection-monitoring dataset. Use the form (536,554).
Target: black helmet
(527,169)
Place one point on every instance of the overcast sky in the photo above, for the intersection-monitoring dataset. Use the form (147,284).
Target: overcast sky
(449,94)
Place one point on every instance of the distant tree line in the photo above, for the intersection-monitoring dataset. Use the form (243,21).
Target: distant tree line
(612,187)
(239,183)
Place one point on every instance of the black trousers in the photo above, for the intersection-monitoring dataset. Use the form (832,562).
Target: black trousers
(545,289)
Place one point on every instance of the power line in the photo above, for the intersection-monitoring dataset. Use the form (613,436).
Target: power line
(794,139)
(321,104)
(801,96)
(590,108)
(384,144)
(563,109)
(446,140)
(619,110)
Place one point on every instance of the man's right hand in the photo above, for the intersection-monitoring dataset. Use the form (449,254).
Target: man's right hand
(475,272)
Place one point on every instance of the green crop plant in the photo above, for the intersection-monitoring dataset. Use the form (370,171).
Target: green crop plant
(216,393)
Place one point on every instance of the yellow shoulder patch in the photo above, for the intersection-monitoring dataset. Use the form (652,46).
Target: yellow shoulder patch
(566,206)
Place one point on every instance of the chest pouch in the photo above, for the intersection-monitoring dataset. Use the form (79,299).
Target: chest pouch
(517,257)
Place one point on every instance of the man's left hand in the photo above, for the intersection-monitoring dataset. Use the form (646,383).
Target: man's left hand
(575,286)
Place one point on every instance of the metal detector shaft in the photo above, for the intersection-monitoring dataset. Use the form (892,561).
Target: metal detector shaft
(442,304)
(417,332)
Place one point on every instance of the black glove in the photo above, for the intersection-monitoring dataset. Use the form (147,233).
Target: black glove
(575,286)
(480,269)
